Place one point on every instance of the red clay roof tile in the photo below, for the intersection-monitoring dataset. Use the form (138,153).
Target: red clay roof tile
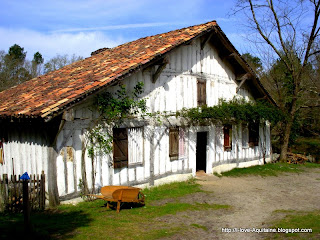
(46,95)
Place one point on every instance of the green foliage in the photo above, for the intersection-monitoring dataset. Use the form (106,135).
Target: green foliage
(308,145)
(121,104)
(100,141)
(113,108)
(270,169)
(37,58)
(234,111)
(15,68)
(254,62)
(17,54)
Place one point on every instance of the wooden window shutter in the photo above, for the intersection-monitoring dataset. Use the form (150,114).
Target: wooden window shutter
(174,143)
(135,144)
(227,133)
(120,147)
(201,93)
(181,142)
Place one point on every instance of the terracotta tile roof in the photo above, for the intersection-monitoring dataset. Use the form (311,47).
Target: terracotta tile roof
(48,95)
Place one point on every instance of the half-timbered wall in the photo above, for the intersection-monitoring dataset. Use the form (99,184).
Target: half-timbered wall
(149,164)
(25,149)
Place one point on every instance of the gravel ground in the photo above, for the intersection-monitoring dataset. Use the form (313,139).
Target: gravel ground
(253,200)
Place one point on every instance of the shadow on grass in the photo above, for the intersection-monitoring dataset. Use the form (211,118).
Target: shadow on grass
(50,224)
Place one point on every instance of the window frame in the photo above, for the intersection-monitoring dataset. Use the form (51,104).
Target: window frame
(120,144)
(201,92)
(227,137)
(174,143)
(133,154)
(254,134)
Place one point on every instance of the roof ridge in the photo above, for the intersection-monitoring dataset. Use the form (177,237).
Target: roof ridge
(214,22)
(48,95)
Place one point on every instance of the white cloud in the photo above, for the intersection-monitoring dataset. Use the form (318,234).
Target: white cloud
(80,44)
(116,27)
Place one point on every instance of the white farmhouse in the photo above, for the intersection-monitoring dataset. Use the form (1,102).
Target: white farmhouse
(44,120)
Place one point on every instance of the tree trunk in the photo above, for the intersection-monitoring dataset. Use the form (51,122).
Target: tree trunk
(286,137)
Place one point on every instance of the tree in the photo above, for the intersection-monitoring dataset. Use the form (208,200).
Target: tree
(280,27)
(17,54)
(60,61)
(36,64)
(254,62)
(13,67)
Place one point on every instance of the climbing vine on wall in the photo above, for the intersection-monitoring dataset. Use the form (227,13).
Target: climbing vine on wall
(113,108)
(234,111)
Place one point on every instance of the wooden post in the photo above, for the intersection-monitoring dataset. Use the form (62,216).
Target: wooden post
(42,191)
(26,208)
(5,191)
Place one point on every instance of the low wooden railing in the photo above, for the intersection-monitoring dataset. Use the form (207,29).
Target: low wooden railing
(11,192)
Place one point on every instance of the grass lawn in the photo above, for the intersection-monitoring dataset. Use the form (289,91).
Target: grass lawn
(91,220)
(301,220)
(270,169)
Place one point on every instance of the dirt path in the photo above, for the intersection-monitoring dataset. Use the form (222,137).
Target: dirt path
(253,200)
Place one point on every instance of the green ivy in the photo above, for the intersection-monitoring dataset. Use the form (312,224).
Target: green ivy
(121,104)
(234,111)
(113,108)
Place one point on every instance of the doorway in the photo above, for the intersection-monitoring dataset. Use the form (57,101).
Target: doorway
(201,151)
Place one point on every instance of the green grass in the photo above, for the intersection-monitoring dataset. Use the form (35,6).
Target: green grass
(294,220)
(172,190)
(91,220)
(270,169)
(199,226)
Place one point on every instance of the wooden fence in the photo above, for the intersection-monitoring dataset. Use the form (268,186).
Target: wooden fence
(11,193)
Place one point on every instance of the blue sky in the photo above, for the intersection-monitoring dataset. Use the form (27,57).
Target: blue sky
(80,27)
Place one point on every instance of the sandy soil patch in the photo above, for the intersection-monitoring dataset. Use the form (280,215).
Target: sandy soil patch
(253,199)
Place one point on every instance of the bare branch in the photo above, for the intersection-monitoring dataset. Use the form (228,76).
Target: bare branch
(279,31)
(267,39)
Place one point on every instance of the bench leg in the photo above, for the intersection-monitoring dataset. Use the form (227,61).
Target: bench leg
(108,205)
(118,206)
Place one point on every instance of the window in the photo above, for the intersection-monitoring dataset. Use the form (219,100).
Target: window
(201,92)
(182,145)
(177,143)
(253,134)
(173,143)
(120,147)
(3,138)
(245,136)
(1,153)
(227,133)
(135,145)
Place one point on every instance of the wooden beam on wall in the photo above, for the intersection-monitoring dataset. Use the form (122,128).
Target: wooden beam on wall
(207,39)
(244,78)
(161,67)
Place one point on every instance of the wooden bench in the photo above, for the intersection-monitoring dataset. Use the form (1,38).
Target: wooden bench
(120,194)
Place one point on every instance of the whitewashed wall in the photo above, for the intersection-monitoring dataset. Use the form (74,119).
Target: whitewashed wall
(176,88)
(25,150)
